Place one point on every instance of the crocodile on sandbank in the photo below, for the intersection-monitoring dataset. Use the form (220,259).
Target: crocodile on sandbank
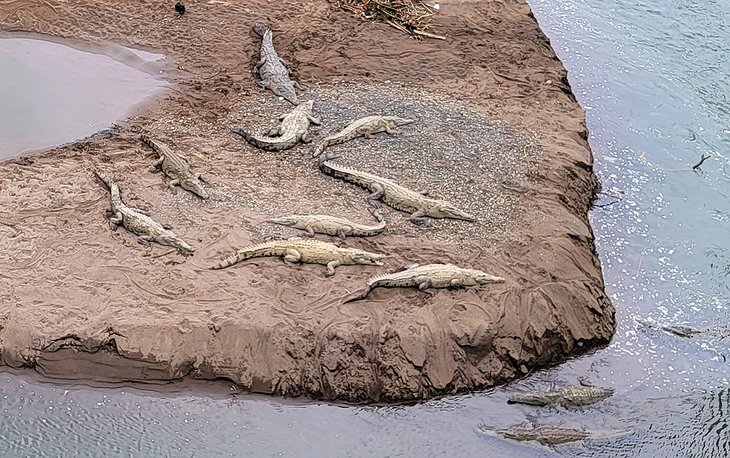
(273,69)
(177,167)
(138,222)
(393,194)
(294,128)
(569,396)
(330,225)
(307,251)
(429,276)
(363,127)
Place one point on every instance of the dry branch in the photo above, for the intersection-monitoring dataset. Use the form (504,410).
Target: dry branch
(408,16)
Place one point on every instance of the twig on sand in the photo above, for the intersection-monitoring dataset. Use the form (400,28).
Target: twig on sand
(413,18)
(511,78)
(164,254)
(429,35)
(702,159)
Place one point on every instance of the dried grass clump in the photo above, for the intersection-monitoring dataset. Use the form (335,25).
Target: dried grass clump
(411,17)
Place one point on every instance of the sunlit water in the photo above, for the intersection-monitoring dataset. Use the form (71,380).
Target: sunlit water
(654,77)
(51,93)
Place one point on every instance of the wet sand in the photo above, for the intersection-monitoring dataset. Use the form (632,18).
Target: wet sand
(78,301)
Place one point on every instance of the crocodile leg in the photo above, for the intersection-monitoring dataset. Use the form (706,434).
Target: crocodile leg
(315,121)
(274,131)
(341,233)
(263,85)
(376,214)
(292,256)
(167,226)
(156,166)
(200,177)
(308,232)
(331,268)
(374,198)
(172,185)
(423,283)
(138,210)
(284,63)
(419,218)
(261,62)
(145,240)
(424,192)
(115,221)
(297,85)
(304,138)
(389,130)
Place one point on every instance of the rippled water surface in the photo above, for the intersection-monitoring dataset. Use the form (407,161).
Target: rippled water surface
(51,93)
(654,77)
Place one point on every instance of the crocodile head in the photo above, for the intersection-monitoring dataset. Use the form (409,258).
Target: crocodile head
(446,210)
(172,240)
(286,91)
(195,187)
(482,278)
(290,220)
(397,121)
(366,258)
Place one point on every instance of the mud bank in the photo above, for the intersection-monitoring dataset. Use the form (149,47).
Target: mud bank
(78,301)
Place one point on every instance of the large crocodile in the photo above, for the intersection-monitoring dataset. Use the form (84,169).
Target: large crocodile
(393,194)
(429,276)
(330,225)
(552,435)
(569,396)
(176,167)
(138,222)
(363,127)
(273,69)
(293,128)
(309,251)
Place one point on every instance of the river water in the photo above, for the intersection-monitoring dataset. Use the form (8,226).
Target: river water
(654,78)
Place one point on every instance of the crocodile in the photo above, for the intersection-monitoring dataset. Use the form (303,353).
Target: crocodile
(293,128)
(308,251)
(138,221)
(417,203)
(569,396)
(330,225)
(429,276)
(273,69)
(363,127)
(545,435)
(176,167)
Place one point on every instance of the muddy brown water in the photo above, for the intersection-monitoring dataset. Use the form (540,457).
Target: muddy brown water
(53,93)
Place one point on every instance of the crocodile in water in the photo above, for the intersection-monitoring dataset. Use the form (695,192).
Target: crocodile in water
(569,396)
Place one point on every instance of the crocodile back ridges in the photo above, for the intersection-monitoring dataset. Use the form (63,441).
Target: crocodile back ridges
(273,248)
(285,141)
(160,148)
(358,177)
(174,163)
(353,130)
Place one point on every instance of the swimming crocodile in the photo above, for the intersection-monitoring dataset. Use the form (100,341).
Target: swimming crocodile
(308,251)
(330,225)
(363,127)
(393,194)
(138,222)
(552,435)
(293,128)
(273,69)
(176,167)
(429,276)
(569,396)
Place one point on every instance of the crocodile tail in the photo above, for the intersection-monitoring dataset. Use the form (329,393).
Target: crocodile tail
(319,149)
(149,142)
(228,262)
(248,137)
(261,30)
(358,297)
(104,179)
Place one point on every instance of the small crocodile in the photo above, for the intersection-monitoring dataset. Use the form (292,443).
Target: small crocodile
(293,128)
(176,167)
(429,276)
(309,251)
(363,127)
(330,225)
(393,194)
(545,435)
(138,222)
(569,396)
(273,69)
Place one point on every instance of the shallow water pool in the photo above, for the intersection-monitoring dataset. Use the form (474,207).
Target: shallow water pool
(51,93)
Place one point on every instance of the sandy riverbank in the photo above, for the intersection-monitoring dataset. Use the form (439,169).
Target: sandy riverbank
(497,130)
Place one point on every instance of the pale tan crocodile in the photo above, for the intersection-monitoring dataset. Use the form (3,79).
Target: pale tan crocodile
(429,276)
(293,129)
(363,127)
(308,251)
(176,167)
(138,222)
(330,225)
